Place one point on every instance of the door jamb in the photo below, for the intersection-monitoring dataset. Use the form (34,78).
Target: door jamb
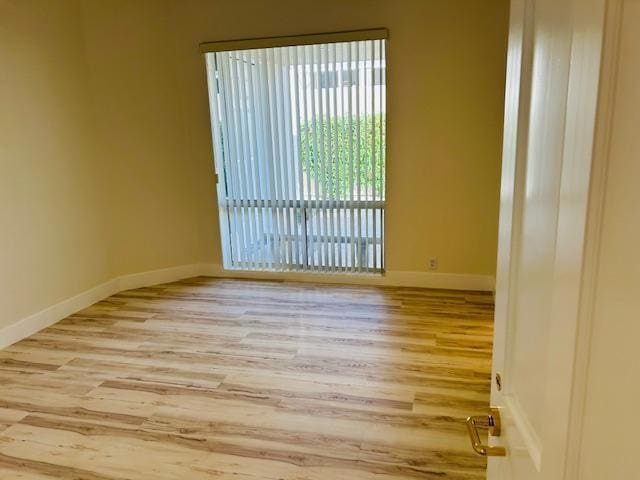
(597,190)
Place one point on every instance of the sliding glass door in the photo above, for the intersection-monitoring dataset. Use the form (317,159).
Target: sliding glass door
(299,147)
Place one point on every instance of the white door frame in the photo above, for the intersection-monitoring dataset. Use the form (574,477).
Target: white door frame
(608,74)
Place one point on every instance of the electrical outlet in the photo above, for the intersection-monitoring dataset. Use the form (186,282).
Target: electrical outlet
(433,263)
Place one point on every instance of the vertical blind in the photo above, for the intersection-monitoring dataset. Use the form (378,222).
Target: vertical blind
(299,147)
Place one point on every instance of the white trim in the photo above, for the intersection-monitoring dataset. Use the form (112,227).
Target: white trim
(599,168)
(155,277)
(50,315)
(449,281)
(44,318)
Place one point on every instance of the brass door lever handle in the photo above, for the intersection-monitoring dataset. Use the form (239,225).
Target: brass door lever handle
(493,422)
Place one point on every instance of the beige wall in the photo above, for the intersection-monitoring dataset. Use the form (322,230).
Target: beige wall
(157,189)
(52,243)
(445,89)
(105,148)
(611,422)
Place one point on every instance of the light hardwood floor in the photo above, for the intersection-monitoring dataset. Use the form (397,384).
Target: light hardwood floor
(245,380)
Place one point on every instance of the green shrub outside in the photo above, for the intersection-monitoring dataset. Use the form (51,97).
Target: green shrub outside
(333,170)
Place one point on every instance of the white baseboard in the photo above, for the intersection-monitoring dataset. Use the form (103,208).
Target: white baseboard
(44,318)
(163,275)
(47,317)
(449,281)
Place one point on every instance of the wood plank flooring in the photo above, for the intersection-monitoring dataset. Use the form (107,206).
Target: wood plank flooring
(245,380)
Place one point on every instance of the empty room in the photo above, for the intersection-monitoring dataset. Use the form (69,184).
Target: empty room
(319,240)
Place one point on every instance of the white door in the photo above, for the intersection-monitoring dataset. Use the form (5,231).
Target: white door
(552,90)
